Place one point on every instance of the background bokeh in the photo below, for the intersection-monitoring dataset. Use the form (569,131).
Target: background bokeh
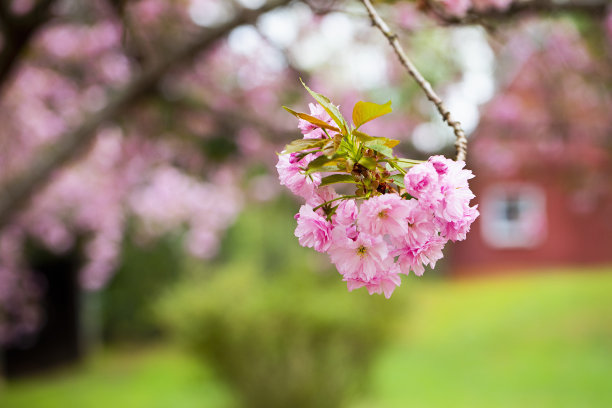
(147,256)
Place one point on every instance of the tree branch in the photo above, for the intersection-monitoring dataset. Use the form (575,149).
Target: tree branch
(17,31)
(595,8)
(5,15)
(461,140)
(39,12)
(17,191)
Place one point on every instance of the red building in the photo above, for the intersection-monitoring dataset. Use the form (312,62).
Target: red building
(542,156)
(529,223)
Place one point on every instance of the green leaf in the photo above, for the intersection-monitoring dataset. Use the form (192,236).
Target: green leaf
(364,138)
(336,178)
(398,179)
(366,111)
(303,144)
(329,107)
(349,150)
(379,147)
(322,162)
(326,169)
(312,119)
(330,148)
(318,162)
(406,164)
(389,142)
(368,162)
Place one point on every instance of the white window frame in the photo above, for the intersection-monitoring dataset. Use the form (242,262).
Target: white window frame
(529,230)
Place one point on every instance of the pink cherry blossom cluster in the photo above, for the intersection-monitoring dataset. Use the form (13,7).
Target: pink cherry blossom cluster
(373,241)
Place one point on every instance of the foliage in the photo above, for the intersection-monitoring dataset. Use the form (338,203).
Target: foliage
(127,301)
(539,340)
(361,159)
(280,334)
(148,377)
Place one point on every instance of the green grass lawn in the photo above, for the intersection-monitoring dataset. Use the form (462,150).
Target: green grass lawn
(155,377)
(542,340)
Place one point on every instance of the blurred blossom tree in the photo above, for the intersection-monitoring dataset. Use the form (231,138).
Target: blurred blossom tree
(159,111)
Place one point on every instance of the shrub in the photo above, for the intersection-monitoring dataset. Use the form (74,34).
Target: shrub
(282,336)
(127,302)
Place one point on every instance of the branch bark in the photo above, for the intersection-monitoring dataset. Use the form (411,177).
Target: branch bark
(17,32)
(461,140)
(137,48)
(16,192)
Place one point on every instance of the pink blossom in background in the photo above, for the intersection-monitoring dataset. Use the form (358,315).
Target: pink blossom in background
(61,41)
(499,159)
(21,6)
(202,243)
(483,5)
(172,199)
(103,257)
(76,41)
(457,8)
(115,68)
(250,141)
(506,109)
(408,16)
(150,11)
(263,188)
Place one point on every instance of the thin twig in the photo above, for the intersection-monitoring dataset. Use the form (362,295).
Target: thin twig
(461,142)
(135,47)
